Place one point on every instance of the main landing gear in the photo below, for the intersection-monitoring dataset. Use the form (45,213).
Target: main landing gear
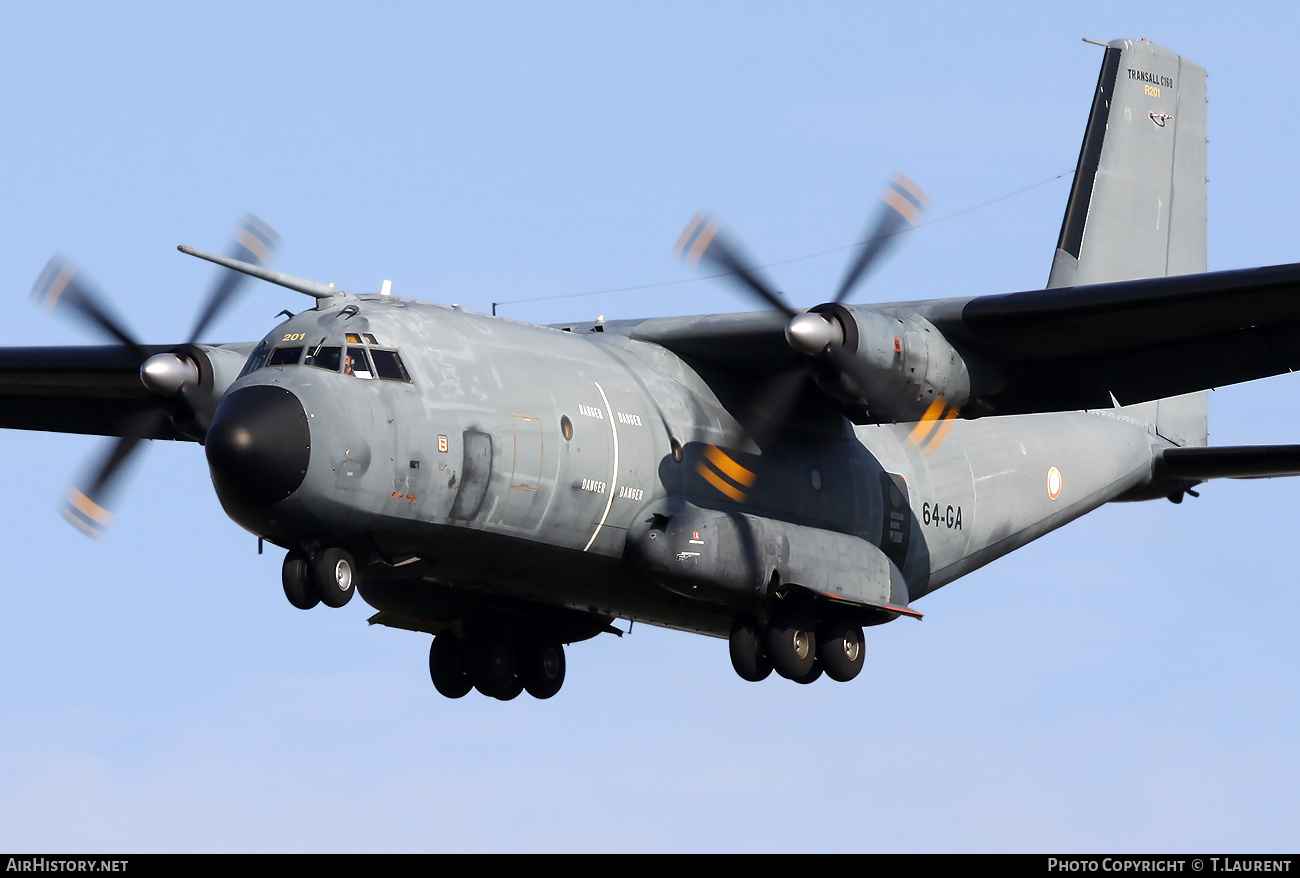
(797,648)
(329,578)
(496,662)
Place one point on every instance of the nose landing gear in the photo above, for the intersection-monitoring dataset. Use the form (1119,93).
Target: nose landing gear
(333,572)
(329,578)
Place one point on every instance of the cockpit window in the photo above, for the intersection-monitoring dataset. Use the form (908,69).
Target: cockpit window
(357,361)
(255,359)
(389,365)
(357,364)
(284,356)
(328,358)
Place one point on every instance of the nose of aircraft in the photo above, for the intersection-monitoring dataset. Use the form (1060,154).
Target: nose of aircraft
(258,446)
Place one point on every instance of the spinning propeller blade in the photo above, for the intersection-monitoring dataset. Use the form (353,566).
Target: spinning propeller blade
(814,335)
(171,378)
(62,288)
(703,240)
(254,242)
(86,504)
(901,205)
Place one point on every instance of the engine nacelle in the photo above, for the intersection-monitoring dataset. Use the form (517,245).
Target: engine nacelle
(193,379)
(905,364)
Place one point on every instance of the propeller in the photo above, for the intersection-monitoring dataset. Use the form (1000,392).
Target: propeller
(819,337)
(901,206)
(177,397)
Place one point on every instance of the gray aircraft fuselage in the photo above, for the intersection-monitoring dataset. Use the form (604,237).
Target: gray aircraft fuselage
(517,459)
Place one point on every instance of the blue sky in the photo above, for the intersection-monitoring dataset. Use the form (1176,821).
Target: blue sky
(1127,683)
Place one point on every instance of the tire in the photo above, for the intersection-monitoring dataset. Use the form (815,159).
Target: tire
(335,576)
(448,667)
(509,690)
(748,657)
(792,646)
(494,664)
(542,667)
(840,650)
(812,676)
(298,587)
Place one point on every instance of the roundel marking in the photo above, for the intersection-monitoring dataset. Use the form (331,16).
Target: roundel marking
(1053,483)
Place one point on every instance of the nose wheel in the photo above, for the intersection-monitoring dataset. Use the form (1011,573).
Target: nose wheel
(334,573)
(295,574)
(329,578)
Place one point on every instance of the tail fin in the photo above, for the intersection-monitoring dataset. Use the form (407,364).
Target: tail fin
(1137,208)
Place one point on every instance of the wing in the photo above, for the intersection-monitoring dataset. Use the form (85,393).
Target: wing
(749,343)
(1077,347)
(1130,341)
(1061,349)
(95,390)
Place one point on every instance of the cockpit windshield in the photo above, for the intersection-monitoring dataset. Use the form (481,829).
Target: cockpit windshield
(356,359)
(284,356)
(322,357)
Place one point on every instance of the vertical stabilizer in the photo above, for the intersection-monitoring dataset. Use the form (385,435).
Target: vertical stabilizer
(1137,208)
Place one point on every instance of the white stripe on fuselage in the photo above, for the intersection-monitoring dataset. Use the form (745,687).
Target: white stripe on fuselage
(613,478)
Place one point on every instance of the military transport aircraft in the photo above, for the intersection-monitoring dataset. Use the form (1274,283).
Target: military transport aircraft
(782,478)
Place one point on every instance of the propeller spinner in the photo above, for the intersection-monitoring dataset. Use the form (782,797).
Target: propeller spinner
(173,378)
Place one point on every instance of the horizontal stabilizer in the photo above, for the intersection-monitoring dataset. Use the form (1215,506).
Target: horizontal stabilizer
(1228,462)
